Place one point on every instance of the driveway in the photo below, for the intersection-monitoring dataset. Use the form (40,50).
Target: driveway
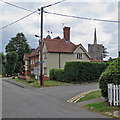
(29,102)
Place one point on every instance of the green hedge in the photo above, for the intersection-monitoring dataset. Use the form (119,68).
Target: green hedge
(111,75)
(57,74)
(83,71)
(78,72)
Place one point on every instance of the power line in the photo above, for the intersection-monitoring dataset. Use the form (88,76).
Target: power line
(84,18)
(16,6)
(32,12)
(19,19)
(54,4)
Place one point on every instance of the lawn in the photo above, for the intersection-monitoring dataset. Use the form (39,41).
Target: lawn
(91,95)
(102,107)
(47,83)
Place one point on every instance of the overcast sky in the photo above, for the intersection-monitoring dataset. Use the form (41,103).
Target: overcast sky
(82,31)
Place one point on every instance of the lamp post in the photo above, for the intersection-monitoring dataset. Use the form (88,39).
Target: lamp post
(41,48)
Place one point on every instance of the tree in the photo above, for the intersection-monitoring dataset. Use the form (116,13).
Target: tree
(11,61)
(20,46)
(110,75)
(2,64)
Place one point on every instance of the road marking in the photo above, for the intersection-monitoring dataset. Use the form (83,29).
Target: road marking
(77,97)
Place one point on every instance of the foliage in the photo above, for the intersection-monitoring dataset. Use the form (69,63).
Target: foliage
(2,64)
(32,75)
(20,46)
(111,75)
(57,74)
(83,71)
(11,60)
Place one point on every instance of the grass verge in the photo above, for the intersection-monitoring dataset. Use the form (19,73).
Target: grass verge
(91,95)
(103,108)
(35,83)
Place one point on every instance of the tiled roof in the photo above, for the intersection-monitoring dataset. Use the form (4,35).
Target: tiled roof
(26,56)
(59,45)
(35,52)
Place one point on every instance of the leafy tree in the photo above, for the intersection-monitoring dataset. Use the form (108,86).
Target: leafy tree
(11,60)
(110,75)
(20,46)
(2,64)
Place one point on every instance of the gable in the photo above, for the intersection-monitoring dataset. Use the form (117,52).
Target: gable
(81,49)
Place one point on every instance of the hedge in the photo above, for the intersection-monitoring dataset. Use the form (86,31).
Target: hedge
(111,75)
(57,74)
(83,71)
(79,72)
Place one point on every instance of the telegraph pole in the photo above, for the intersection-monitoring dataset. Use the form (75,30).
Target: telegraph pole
(41,51)
(41,48)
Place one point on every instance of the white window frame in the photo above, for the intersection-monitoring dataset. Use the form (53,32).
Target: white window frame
(79,55)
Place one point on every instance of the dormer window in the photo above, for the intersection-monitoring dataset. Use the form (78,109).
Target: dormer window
(79,55)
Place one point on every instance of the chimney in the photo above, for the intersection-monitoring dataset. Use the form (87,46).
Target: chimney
(66,33)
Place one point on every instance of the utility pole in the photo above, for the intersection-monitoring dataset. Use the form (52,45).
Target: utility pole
(41,48)
(41,51)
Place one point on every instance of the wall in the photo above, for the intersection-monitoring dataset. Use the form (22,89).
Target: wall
(53,60)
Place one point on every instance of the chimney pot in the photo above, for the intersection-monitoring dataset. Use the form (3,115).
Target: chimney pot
(66,33)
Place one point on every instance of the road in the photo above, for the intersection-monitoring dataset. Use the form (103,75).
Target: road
(18,102)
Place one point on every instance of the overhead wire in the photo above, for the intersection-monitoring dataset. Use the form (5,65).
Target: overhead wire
(19,19)
(16,6)
(32,12)
(54,4)
(85,18)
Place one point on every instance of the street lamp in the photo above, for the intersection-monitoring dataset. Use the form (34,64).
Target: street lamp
(40,60)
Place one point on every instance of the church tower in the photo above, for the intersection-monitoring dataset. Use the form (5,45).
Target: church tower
(96,51)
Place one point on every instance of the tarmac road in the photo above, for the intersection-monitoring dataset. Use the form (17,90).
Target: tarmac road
(51,102)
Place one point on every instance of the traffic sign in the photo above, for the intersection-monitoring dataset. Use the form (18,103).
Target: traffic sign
(41,62)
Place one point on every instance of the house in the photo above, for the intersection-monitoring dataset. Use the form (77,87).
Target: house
(56,52)
(97,51)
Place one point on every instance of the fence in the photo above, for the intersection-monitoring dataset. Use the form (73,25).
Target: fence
(114,94)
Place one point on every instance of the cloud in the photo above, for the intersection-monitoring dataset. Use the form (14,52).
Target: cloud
(82,31)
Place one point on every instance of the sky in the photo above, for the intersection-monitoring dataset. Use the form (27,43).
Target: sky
(82,31)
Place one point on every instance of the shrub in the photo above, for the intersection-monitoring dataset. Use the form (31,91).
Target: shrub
(57,74)
(32,75)
(83,71)
(111,75)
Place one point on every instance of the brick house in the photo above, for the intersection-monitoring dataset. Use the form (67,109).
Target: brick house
(56,52)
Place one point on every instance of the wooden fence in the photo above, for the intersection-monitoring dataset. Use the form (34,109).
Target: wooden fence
(114,94)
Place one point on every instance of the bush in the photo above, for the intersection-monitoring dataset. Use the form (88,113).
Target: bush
(15,74)
(83,71)
(111,75)
(57,74)
(32,75)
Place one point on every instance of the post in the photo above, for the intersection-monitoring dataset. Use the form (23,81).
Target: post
(41,49)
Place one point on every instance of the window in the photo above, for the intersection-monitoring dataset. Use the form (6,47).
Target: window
(79,55)
(31,61)
(45,70)
(45,56)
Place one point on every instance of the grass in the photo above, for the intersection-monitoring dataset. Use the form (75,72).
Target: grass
(0,76)
(47,83)
(102,107)
(91,95)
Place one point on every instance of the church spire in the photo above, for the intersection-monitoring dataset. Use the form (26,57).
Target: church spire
(95,37)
